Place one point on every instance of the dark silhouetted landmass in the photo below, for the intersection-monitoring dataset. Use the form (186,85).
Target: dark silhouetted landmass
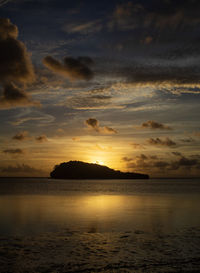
(82,170)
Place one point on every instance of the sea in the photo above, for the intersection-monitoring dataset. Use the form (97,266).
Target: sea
(50,225)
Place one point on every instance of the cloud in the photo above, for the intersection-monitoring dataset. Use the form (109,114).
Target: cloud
(170,28)
(145,162)
(161,74)
(89,102)
(165,142)
(93,124)
(72,68)
(75,138)
(147,40)
(3,2)
(83,28)
(25,135)
(197,134)
(16,97)
(60,130)
(15,68)
(155,165)
(109,130)
(21,170)
(160,15)
(15,62)
(34,115)
(155,125)
(142,157)
(21,136)
(184,162)
(187,140)
(137,146)
(177,154)
(13,151)
(127,159)
(41,138)
(102,148)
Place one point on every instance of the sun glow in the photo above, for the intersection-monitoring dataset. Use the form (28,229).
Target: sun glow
(100,162)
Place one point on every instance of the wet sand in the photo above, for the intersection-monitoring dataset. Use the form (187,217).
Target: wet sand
(128,251)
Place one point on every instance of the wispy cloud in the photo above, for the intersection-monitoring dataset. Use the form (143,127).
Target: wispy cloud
(40,117)
(83,28)
(3,2)
(13,151)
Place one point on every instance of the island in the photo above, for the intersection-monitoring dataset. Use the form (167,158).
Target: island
(83,170)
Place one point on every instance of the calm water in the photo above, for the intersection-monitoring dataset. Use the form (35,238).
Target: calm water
(33,206)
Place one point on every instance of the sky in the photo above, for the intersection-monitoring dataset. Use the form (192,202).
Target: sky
(109,82)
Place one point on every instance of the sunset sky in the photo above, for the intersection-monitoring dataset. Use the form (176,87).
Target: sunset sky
(109,82)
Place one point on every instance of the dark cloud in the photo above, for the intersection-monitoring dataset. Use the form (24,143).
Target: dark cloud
(15,62)
(16,97)
(153,164)
(13,151)
(187,140)
(177,154)
(21,136)
(72,68)
(156,14)
(142,157)
(109,130)
(41,139)
(184,162)
(127,159)
(164,36)
(137,146)
(146,162)
(155,125)
(93,124)
(15,67)
(89,102)
(156,73)
(75,138)
(25,135)
(162,142)
(20,169)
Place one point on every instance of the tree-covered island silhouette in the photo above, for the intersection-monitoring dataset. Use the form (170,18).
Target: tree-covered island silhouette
(83,170)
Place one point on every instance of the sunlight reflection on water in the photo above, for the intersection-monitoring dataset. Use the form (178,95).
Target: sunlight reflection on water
(27,214)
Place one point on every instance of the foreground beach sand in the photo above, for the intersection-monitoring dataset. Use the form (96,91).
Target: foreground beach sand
(75,251)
